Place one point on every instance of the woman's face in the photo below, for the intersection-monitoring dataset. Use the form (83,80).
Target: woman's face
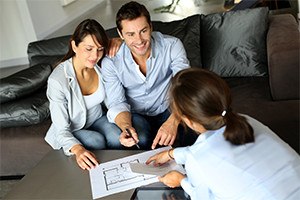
(88,52)
(193,125)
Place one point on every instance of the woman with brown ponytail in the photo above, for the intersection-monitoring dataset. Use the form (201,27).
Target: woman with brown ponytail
(235,156)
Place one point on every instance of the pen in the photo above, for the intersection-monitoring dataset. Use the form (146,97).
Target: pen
(136,144)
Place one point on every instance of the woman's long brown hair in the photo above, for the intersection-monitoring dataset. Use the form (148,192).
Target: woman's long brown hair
(202,97)
(87,27)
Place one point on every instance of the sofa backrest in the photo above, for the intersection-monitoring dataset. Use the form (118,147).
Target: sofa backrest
(48,51)
(231,44)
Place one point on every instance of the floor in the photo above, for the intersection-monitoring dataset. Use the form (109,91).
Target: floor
(6,186)
(105,14)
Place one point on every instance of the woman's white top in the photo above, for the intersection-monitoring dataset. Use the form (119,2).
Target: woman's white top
(93,103)
(266,169)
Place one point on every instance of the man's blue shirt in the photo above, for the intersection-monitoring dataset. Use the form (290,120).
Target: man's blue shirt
(126,87)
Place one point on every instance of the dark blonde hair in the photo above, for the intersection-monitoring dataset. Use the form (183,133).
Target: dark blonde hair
(87,27)
(202,97)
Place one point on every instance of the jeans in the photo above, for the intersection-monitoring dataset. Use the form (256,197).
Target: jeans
(147,127)
(100,135)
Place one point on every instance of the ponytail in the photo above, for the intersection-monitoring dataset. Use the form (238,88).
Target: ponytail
(238,131)
(207,101)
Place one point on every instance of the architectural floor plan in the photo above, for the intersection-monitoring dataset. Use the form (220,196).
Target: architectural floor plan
(116,176)
(120,175)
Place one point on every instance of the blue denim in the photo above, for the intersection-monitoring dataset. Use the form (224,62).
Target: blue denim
(147,127)
(100,135)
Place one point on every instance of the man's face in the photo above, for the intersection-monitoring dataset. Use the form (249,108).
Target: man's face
(137,36)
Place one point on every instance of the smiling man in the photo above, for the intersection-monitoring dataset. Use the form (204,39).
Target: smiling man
(137,80)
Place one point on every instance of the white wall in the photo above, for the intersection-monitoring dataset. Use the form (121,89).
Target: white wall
(299,11)
(16,31)
(24,21)
(49,15)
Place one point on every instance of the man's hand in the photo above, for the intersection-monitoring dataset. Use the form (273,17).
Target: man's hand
(123,121)
(172,179)
(85,159)
(114,46)
(166,134)
(126,140)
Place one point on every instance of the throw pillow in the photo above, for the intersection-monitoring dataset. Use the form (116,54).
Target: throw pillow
(188,31)
(234,43)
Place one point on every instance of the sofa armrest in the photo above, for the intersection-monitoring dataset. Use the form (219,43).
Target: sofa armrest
(24,82)
(283,57)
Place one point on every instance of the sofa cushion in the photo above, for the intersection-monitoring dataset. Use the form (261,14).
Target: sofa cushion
(53,48)
(234,43)
(26,111)
(188,31)
(24,82)
(51,60)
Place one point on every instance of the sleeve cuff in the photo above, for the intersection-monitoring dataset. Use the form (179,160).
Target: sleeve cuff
(186,186)
(200,192)
(114,111)
(180,155)
(67,148)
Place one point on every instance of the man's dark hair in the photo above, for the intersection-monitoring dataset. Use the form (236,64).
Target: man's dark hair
(131,11)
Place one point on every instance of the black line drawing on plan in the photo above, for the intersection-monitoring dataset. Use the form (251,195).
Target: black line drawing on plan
(119,175)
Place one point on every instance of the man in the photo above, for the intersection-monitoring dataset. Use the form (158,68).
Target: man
(137,80)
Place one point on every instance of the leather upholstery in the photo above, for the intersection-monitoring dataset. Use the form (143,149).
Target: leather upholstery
(24,82)
(47,51)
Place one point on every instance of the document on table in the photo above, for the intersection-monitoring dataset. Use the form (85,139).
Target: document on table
(142,168)
(117,175)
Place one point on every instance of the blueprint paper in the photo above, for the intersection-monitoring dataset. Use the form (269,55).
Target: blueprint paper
(142,168)
(116,176)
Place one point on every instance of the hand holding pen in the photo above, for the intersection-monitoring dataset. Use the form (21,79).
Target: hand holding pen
(130,135)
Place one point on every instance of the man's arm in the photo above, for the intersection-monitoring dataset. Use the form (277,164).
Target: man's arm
(179,57)
(166,134)
(114,46)
(123,121)
(115,94)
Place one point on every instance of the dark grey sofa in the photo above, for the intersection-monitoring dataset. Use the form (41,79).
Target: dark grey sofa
(257,54)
